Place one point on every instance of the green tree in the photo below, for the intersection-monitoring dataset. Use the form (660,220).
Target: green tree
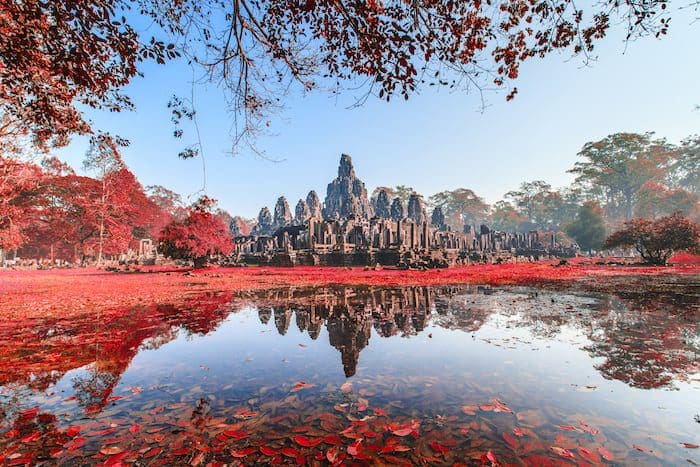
(588,229)
(686,169)
(615,168)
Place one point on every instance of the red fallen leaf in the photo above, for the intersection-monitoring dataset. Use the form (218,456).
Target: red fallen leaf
(642,448)
(340,407)
(180,452)
(518,432)
(333,455)
(470,409)
(333,439)
(500,406)
(306,442)
(29,413)
(244,414)
(354,449)
(562,452)
(73,431)
(490,457)
(76,443)
(242,452)
(690,445)
(12,433)
(514,443)
(487,408)
(68,399)
(303,346)
(298,386)
(290,452)
(135,429)
(236,434)
(268,451)
(567,427)
(439,448)
(379,412)
(33,437)
(587,428)
(403,431)
(346,387)
(111,450)
(136,389)
(152,452)
(117,459)
(589,455)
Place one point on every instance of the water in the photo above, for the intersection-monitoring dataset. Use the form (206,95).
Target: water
(366,375)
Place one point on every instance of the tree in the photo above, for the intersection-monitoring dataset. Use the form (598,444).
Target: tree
(656,241)
(616,167)
(588,229)
(461,206)
(103,158)
(402,192)
(655,200)
(58,57)
(685,172)
(198,237)
(19,184)
(506,218)
(542,207)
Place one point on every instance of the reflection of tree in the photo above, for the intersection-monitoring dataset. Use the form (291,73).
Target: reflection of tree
(651,343)
(94,388)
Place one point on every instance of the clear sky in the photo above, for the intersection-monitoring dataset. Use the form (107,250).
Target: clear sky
(437,140)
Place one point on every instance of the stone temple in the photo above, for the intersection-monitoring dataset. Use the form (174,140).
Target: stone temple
(349,229)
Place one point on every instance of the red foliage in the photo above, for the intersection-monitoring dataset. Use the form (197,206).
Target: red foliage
(656,241)
(200,235)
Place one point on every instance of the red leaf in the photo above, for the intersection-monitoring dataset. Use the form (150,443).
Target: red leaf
(403,431)
(514,443)
(589,455)
(135,429)
(562,452)
(268,451)
(690,445)
(236,434)
(73,431)
(306,442)
(298,386)
(242,452)
(332,439)
(607,455)
(76,443)
(379,412)
(33,437)
(439,448)
(518,432)
(290,452)
(567,427)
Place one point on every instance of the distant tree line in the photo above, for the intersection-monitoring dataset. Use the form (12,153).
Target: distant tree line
(626,182)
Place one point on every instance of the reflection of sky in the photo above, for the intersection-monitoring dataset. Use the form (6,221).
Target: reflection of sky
(507,358)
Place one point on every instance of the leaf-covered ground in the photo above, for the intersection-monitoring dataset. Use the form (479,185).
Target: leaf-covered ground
(31,294)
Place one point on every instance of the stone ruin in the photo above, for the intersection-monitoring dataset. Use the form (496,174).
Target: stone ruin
(347,229)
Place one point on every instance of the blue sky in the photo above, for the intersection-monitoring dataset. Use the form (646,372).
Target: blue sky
(435,141)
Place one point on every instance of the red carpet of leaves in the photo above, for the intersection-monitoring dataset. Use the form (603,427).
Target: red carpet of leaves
(29,294)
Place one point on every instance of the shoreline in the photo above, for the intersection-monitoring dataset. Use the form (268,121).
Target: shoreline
(62,293)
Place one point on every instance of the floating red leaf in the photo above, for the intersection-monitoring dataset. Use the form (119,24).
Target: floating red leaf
(306,442)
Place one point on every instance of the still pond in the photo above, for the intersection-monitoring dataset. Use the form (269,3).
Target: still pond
(360,376)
